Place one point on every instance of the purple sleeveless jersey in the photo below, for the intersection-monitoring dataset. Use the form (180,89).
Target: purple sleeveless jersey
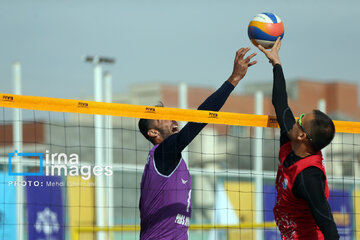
(165,202)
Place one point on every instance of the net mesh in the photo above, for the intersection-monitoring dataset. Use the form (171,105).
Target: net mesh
(232,196)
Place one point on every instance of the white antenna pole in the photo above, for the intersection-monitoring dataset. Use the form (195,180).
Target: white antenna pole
(17,135)
(99,153)
(109,151)
(258,153)
(183,103)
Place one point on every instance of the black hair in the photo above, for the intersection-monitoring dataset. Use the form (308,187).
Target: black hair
(144,126)
(322,130)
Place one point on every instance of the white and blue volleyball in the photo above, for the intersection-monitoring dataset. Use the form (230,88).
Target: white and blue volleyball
(264,29)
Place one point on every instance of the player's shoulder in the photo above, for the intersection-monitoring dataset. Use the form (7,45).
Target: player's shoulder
(312,172)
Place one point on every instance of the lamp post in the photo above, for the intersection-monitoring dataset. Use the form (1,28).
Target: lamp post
(99,141)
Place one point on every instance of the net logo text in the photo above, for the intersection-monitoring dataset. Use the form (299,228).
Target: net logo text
(213,115)
(150,109)
(8,98)
(83,104)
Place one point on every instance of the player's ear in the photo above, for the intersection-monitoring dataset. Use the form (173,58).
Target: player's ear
(301,136)
(153,133)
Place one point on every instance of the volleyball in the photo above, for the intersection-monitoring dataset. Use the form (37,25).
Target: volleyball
(264,29)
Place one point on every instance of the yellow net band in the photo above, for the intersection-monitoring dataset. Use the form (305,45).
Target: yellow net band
(150,112)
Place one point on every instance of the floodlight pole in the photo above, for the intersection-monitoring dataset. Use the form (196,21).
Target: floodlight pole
(99,142)
(17,136)
(258,153)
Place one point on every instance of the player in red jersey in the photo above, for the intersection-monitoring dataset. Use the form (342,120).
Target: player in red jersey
(302,210)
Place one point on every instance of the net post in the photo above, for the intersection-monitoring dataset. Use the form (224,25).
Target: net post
(258,153)
(17,136)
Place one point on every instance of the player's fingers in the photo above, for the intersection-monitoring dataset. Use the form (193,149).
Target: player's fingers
(279,45)
(244,52)
(261,48)
(252,63)
(238,53)
(277,42)
(250,57)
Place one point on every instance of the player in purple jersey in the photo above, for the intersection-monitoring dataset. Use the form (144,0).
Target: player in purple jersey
(165,201)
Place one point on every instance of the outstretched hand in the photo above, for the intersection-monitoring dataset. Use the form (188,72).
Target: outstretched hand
(273,53)
(241,65)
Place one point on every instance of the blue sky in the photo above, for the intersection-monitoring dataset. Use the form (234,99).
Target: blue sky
(170,42)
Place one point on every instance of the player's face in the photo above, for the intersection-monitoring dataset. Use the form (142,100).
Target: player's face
(301,126)
(166,128)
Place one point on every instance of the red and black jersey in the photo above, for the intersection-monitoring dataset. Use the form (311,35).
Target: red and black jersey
(292,214)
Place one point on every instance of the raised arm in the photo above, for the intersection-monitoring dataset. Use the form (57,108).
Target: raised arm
(168,153)
(284,114)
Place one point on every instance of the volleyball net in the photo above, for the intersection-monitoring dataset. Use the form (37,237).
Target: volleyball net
(71,169)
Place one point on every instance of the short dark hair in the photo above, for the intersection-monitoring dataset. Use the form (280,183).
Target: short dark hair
(144,126)
(322,130)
